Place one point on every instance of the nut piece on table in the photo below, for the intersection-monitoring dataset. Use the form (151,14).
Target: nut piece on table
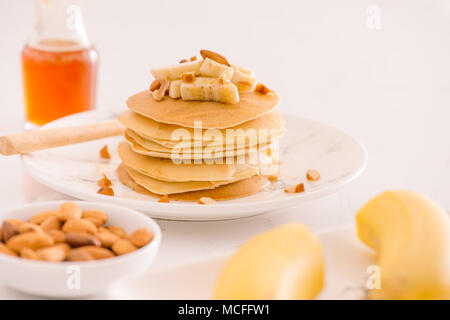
(312,175)
(206,200)
(164,199)
(183,61)
(104,182)
(295,189)
(106,191)
(104,153)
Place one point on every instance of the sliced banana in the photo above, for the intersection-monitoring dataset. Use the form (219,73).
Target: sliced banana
(174,72)
(174,89)
(209,89)
(245,82)
(213,69)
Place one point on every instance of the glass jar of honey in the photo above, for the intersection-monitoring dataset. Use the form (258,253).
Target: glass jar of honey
(59,64)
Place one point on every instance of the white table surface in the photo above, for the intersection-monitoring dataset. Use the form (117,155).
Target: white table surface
(390,88)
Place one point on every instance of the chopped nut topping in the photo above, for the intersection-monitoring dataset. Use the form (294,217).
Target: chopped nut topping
(155,85)
(183,61)
(164,199)
(214,56)
(194,58)
(104,182)
(206,200)
(295,189)
(188,77)
(312,175)
(260,88)
(159,94)
(104,153)
(107,191)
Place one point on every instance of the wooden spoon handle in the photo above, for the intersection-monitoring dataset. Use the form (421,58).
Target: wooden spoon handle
(30,141)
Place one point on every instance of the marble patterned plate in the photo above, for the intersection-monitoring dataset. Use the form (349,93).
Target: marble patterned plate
(74,170)
(346,272)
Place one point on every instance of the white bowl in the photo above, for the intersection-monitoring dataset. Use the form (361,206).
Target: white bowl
(78,279)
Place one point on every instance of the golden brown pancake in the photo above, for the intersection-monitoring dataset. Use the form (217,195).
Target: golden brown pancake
(153,149)
(158,131)
(167,170)
(212,114)
(163,187)
(234,190)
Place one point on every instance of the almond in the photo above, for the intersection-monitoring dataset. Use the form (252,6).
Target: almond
(79,225)
(155,85)
(183,61)
(28,227)
(98,252)
(33,240)
(57,235)
(141,237)
(40,217)
(104,182)
(79,239)
(51,223)
(52,254)
(9,230)
(95,214)
(79,255)
(107,239)
(4,249)
(214,56)
(118,231)
(69,210)
(123,246)
(28,253)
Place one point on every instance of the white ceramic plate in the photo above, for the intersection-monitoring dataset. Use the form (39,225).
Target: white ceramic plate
(346,260)
(75,170)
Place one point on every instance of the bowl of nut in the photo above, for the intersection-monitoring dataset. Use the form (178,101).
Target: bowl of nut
(73,249)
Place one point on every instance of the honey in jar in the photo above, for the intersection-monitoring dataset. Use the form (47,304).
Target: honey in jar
(59,65)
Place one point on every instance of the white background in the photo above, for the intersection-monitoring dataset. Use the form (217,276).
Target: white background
(390,88)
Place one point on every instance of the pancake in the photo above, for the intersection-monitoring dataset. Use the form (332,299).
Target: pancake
(167,170)
(233,190)
(150,148)
(163,133)
(163,187)
(212,114)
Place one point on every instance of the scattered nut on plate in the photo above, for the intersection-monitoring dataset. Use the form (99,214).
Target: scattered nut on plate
(69,234)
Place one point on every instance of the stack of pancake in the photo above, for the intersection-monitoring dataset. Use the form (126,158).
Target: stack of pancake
(167,153)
